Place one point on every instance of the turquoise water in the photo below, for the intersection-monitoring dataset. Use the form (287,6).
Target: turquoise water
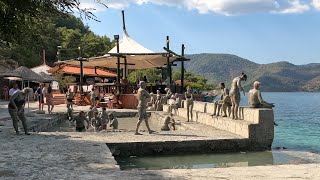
(298,116)
(298,130)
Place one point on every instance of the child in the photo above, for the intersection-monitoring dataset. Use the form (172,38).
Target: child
(90,113)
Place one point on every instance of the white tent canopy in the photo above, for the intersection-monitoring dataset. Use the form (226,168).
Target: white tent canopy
(137,56)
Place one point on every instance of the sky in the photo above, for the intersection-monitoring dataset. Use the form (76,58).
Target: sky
(263,31)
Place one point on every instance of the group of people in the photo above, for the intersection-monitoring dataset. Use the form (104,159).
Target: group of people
(231,99)
(47,93)
(97,120)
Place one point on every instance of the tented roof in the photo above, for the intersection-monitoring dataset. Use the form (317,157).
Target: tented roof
(137,56)
(46,77)
(27,74)
(5,72)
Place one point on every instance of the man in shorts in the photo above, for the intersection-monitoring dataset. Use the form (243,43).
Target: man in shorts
(142,96)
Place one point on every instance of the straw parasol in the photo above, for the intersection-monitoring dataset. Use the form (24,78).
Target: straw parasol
(27,74)
(5,72)
(47,78)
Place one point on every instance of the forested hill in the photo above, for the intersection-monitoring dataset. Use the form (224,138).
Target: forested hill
(279,77)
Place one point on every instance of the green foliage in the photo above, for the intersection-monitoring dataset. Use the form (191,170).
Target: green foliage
(63,80)
(151,74)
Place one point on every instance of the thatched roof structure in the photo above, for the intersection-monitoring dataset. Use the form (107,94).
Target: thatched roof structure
(47,77)
(6,72)
(27,74)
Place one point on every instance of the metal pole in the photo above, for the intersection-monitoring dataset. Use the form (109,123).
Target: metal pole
(81,70)
(168,62)
(116,37)
(182,68)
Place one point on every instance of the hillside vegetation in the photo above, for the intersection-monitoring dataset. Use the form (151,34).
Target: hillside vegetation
(280,76)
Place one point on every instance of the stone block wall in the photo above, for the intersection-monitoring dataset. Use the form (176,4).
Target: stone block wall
(256,124)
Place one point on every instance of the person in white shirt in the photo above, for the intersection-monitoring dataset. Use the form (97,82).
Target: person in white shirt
(13,90)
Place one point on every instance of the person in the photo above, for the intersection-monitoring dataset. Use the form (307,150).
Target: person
(178,100)
(49,99)
(69,98)
(93,97)
(16,109)
(13,89)
(158,101)
(168,122)
(112,100)
(189,98)
(113,121)
(90,113)
(235,94)
(172,104)
(225,102)
(5,92)
(69,113)
(79,119)
(142,96)
(255,98)
(104,118)
(96,122)
(39,93)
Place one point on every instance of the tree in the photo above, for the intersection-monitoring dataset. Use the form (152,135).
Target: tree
(63,81)
(151,74)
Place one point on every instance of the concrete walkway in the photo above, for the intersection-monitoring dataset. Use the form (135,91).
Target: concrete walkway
(72,155)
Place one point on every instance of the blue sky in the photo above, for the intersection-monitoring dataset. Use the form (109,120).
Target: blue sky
(262,31)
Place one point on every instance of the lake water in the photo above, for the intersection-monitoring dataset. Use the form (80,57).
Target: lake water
(298,130)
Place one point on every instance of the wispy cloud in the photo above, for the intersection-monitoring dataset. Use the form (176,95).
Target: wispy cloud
(316,4)
(224,7)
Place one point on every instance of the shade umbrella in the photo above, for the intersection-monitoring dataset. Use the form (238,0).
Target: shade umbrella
(47,78)
(7,73)
(27,74)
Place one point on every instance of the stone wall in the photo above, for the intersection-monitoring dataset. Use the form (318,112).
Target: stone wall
(256,124)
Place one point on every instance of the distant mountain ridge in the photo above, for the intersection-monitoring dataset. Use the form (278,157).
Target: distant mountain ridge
(277,77)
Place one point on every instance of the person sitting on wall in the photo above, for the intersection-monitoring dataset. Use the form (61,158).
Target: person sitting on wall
(255,99)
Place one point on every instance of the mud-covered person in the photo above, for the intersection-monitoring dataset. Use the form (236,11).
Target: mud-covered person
(79,119)
(16,109)
(169,123)
(142,96)
(113,121)
(96,122)
(104,118)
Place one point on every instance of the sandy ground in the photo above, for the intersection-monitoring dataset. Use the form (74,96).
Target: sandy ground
(71,155)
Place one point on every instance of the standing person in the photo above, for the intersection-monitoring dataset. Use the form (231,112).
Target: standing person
(189,98)
(142,96)
(16,109)
(80,118)
(49,99)
(40,95)
(69,98)
(235,94)
(93,97)
(5,93)
(96,122)
(104,118)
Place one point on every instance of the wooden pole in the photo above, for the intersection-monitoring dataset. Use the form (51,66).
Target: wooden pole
(125,68)
(182,69)
(81,70)
(118,59)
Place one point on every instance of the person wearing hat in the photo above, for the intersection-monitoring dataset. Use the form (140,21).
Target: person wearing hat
(16,109)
